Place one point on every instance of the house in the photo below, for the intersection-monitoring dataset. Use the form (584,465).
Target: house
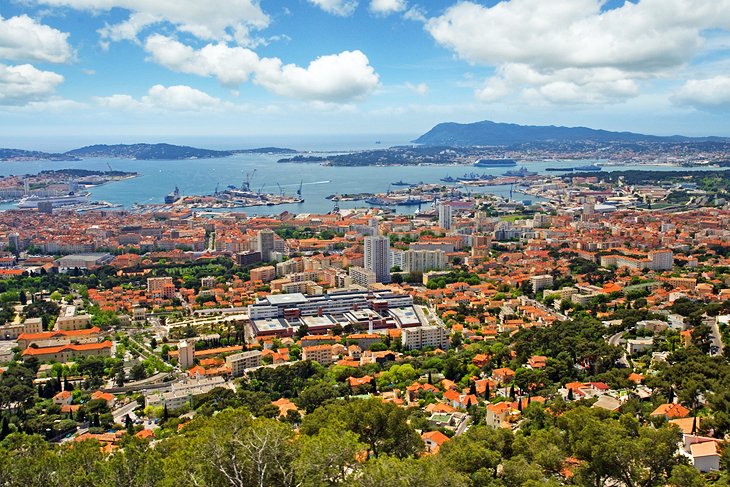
(537,362)
(504,375)
(434,440)
(63,398)
(480,360)
(498,415)
(608,403)
(284,405)
(705,456)
(671,411)
(104,396)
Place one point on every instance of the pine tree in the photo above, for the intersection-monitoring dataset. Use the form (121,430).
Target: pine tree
(487,393)
(473,388)
(129,425)
(512,392)
(570,394)
(23,298)
(430,379)
(165,413)
(4,428)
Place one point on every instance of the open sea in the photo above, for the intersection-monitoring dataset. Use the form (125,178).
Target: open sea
(197,177)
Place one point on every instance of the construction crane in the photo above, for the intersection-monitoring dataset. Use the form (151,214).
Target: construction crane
(246,186)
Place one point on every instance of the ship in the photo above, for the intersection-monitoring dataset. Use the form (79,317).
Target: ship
(33,201)
(495,163)
(412,202)
(379,202)
(400,182)
(590,167)
(560,169)
(520,173)
(172,197)
(475,177)
(449,179)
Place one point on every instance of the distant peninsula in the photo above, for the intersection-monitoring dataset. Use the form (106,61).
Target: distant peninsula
(134,151)
(494,134)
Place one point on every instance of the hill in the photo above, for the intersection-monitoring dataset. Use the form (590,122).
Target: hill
(487,133)
(134,151)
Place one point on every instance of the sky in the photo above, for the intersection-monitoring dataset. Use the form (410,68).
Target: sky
(122,70)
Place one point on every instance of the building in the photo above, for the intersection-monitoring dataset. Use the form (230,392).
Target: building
(377,257)
(425,336)
(83,261)
(444,210)
(661,260)
(77,322)
(265,244)
(161,287)
(239,362)
(318,353)
(66,353)
(245,259)
(208,282)
(58,338)
(263,274)
(423,260)
(498,414)
(183,392)
(186,354)
(14,330)
(539,283)
(362,277)
(705,456)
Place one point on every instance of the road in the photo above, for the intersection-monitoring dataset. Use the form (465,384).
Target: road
(463,426)
(615,340)
(121,412)
(716,336)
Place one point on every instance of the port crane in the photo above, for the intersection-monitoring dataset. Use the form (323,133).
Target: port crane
(281,191)
(299,191)
(246,185)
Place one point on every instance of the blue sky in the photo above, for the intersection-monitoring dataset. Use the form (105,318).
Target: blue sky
(125,69)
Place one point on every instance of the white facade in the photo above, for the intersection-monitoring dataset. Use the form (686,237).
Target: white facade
(239,362)
(425,336)
(444,216)
(186,357)
(377,257)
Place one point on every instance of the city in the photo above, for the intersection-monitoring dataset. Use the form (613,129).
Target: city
(368,243)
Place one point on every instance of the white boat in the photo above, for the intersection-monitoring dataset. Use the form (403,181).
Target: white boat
(33,201)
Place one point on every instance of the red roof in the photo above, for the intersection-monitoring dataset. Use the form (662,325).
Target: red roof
(63,348)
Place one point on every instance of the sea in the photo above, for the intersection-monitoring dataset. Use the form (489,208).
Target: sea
(202,176)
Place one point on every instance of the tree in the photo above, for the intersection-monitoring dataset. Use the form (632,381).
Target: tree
(311,397)
(382,426)
(328,458)
(138,372)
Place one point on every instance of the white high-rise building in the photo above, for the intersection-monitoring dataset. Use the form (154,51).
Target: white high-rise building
(444,216)
(186,354)
(377,257)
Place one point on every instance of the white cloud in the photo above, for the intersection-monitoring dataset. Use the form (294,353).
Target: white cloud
(163,98)
(419,89)
(24,83)
(231,65)
(571,49)
(22,38)
(334,78)
(342,8)
(705,94)
(229,20)
(386,7)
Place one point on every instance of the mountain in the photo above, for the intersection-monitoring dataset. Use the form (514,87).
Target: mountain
(487,133)
(134,151)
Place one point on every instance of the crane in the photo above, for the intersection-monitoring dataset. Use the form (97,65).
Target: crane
(299,191)
(110,167)
(246,186)
(216,187)
(281,191)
